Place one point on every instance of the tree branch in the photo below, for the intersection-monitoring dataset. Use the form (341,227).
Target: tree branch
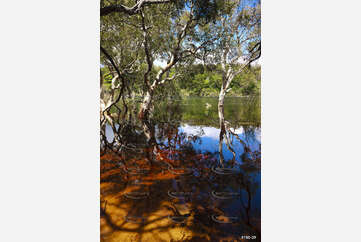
(147,51)
(110,59)
(120,8)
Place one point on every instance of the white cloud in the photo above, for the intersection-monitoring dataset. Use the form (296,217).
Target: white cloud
(209,132)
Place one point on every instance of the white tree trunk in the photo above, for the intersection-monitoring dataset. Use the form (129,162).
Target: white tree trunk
(146,105)
(222,94)
(222,124)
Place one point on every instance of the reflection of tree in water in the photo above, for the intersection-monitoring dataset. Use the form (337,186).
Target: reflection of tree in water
(249,169)
(179,205)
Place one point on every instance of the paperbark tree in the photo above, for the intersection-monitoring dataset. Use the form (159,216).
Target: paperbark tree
(238,45)
(178,43)
(146,31)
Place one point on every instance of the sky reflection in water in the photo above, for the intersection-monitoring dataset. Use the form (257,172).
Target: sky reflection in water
(190,119)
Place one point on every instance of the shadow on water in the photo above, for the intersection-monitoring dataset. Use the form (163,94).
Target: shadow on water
(168,179)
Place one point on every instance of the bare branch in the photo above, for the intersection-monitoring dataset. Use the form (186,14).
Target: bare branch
(110,59)
(147,51)
(120,8)
(175,55)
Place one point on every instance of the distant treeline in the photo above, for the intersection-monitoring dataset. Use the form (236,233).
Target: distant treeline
(200,80)
(197,80)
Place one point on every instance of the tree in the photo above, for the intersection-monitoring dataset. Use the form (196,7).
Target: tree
(238,45)
(160,30)
(122,8)
(180,42)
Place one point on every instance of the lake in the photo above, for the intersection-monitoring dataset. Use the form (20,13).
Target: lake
(165,179)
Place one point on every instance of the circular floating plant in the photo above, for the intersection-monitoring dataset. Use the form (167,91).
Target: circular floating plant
(174,194)
(135,219)
(223,219)
(224,171)
(137,195)
(181,171)
(178,219)
(224,195)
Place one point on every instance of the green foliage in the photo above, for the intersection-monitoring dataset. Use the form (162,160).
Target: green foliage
(203,110)
(198,80)
(122,37)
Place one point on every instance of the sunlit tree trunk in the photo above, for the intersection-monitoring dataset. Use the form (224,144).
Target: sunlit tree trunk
(178,52)
(221,123)
(146,105)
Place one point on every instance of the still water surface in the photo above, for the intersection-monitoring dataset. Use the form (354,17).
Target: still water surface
(166,182)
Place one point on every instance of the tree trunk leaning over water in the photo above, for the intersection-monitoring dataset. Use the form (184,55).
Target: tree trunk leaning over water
(177,53)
